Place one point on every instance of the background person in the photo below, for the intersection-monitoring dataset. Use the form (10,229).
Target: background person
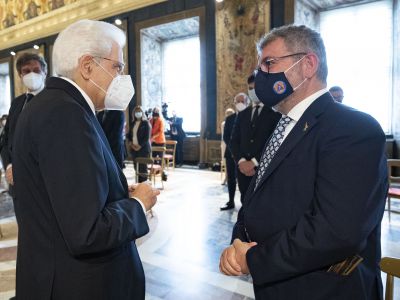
(139,139)
(32,69)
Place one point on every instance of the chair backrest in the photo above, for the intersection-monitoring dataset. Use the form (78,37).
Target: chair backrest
(391,266)
(393,163)
(170,146)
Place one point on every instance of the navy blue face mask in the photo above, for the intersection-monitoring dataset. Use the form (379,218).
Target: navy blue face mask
(272,88)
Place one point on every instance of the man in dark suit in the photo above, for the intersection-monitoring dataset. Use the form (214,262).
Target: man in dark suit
(113,122)
(32,69)
(252,129)
(77,219)
(310,224)
(177,134)
(229,162)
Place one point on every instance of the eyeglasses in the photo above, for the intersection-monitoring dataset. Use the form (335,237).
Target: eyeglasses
(119,66)
(270,61)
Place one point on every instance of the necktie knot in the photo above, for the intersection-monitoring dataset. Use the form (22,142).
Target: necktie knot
(29,96)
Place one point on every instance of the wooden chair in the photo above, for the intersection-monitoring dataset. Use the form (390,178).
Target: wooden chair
(149,162)
(394,183)
(158,165)
(170,150)
(391,266)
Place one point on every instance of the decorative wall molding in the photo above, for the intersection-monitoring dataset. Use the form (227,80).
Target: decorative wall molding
(55,21)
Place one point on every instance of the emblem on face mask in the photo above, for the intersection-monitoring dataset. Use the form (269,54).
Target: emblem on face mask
(279,87)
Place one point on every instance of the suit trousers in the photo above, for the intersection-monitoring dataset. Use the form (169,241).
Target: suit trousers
(142,167)
(231,178)
(244,183)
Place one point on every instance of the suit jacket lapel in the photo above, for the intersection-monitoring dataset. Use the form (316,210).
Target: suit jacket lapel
(54,82)
(306,123)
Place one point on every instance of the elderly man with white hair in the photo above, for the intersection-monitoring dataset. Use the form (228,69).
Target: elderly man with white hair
(78,218)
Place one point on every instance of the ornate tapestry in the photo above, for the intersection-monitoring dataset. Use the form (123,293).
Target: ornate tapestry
(239,25)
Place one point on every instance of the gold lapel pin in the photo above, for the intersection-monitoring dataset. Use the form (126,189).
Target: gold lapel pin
(305,127)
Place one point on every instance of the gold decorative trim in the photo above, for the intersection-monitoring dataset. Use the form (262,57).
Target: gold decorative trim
(55,21)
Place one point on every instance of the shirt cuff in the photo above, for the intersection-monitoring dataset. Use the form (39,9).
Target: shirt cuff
(241,160)
(141,204)
(255,162)
(9,166)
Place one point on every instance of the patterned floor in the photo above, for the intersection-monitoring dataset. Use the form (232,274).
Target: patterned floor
(188,232)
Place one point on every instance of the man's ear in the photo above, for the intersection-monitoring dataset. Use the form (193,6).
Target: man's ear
(311,65)
(86,66)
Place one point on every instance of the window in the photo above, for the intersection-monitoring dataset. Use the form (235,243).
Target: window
(359,46)
(5,91)
(181,80)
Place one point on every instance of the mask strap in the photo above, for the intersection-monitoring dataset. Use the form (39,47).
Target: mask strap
(103,68)
(105,92)
(294,64)
(299,84)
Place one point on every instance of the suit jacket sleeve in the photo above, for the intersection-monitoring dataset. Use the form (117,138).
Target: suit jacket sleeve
(78,180)
(146,134)
(13,114)
(236,138)
(347,206)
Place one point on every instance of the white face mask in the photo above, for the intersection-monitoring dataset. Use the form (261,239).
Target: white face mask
(240,106)
(253,97)
(119,92)
(33,81)
(138,115)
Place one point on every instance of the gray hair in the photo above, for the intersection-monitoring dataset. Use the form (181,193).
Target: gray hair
(242,95)
(299,39)
(85,37)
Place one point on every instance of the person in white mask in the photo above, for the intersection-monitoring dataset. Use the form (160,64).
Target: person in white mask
(32,70)
(78,219)
(253,126)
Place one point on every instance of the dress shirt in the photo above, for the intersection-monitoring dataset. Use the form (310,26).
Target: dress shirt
(87,98)
(297,111)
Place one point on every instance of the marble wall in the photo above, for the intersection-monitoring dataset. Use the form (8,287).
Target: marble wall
(151,65)
(306,15)
(239,25)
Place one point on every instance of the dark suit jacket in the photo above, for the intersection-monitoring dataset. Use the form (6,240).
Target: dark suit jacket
(112,122)
(227,134)
(320,201)
(176,126)
(77,225)
(143,136)
(9,129)
(248,141)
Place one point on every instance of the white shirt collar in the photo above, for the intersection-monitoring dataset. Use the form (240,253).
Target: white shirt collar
(297,111)
(260,104)
(87,98)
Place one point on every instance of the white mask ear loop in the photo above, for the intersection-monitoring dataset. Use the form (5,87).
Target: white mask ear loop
(105,92)
(294,64)
(292,67)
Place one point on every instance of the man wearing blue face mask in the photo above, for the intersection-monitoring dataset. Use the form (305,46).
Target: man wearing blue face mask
(32,69)
(309,227)
(78,219)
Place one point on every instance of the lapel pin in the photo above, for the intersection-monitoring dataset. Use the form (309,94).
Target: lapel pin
(305,127)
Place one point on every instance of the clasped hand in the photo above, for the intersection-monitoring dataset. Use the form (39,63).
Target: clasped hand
(145,193)
(233,259)
(247,168)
